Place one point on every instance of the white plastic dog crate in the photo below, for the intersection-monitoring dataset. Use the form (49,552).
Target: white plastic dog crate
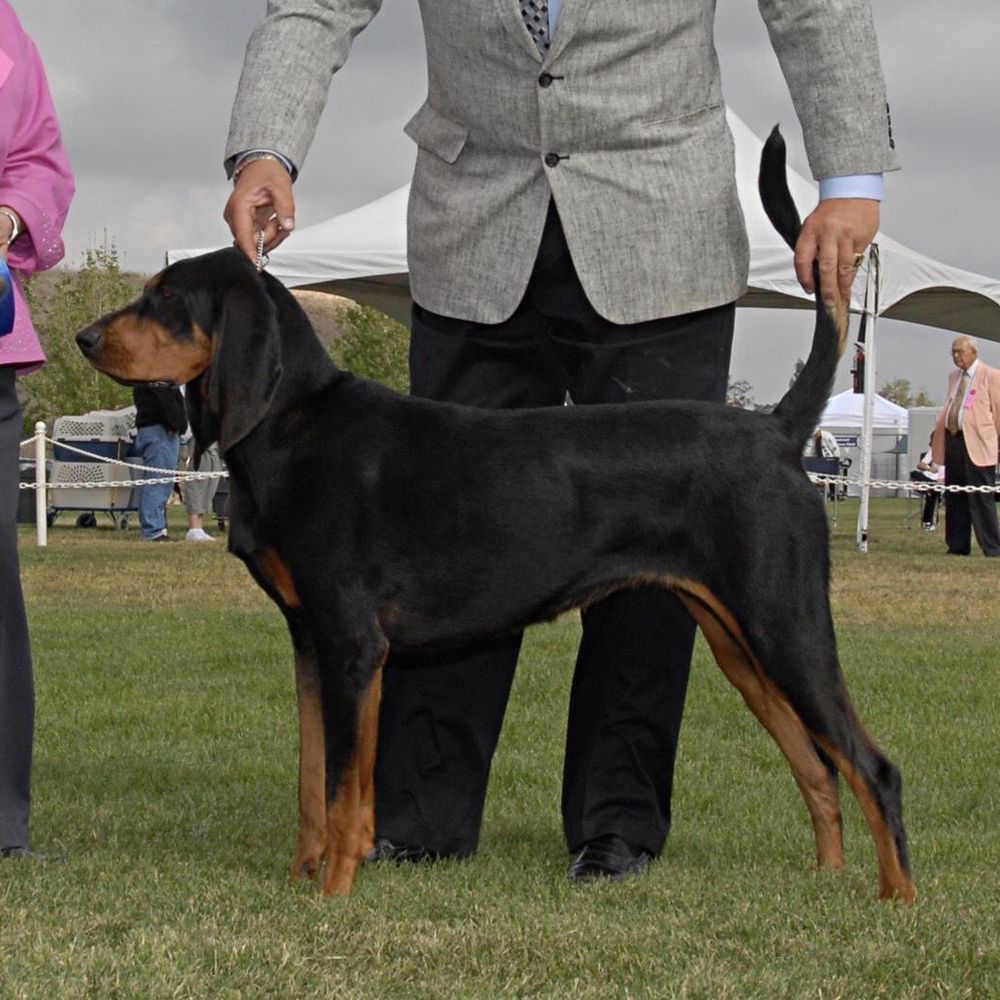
(82,448)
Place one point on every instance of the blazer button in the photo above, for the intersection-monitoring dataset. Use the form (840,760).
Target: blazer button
(552,159)
(545,80)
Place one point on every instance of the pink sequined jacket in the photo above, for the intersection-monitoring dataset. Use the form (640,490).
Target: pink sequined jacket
(35,177)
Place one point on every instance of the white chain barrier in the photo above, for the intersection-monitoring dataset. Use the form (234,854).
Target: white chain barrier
(41,486)
(821,478)
(176,476)
(167,475)
(40,440)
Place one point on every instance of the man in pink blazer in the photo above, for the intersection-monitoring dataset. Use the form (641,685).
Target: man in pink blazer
(965,441)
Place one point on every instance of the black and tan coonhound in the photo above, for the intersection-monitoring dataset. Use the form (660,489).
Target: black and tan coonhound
(377,521)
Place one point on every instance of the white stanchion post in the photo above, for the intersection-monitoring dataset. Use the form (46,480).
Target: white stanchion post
(41,497)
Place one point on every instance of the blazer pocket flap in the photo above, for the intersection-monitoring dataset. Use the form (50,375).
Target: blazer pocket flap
(440,135)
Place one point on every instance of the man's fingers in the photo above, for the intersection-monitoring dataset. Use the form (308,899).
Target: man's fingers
(833,237)
(847,267)
(806,251)
(261,202)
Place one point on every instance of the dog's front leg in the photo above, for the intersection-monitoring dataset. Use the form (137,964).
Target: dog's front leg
(351,816)
(312,771)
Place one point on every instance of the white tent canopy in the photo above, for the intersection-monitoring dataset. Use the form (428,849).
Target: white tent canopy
(847,409)
(362,255)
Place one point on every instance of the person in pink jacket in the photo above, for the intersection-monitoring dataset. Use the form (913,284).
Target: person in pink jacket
(965,441)
(36,187)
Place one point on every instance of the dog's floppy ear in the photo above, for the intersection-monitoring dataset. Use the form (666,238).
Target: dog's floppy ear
(245,369)
(203,429)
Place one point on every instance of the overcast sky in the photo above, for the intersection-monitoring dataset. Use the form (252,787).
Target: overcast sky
(144,89)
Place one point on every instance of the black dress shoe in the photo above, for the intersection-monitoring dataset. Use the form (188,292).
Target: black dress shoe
(389,850)
(607,856)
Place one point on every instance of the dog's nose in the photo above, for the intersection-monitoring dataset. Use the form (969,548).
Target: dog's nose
(87,340)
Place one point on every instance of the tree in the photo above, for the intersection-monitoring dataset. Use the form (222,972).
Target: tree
(68,383)
(899,391)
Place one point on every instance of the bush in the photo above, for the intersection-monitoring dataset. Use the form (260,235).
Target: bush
(373,345)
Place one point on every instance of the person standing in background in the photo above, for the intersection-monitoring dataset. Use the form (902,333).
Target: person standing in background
(36,188)
(160,420)
(965,442)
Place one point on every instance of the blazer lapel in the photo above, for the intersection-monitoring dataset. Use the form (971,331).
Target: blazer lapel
(570,18)
(510,18)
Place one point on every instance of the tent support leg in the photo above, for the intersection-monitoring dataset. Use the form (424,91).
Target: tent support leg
(871,296)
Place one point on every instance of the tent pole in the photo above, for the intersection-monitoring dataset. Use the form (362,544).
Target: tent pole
(872,281)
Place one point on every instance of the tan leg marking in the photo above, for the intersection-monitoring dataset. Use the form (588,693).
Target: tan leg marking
(894,881)
(733,654)
(351,817)
(312,774)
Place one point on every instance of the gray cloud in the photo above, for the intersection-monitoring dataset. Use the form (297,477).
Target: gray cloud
(144,91)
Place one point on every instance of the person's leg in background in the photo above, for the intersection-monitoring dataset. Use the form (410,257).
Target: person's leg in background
(957,519)
(159,449)
(17,691)
(198,494)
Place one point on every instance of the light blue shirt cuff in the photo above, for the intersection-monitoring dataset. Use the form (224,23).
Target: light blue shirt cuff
(289,166)
(853,186)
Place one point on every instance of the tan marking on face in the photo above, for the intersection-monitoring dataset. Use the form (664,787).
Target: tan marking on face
(134,349)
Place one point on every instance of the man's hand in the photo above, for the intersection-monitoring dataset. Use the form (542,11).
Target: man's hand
(834,234)
(261,201)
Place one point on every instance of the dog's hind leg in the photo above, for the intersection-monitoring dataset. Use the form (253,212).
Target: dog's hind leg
(877,784)
(814,779)
(820,724)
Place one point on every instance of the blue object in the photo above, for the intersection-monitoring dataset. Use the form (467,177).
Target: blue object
(6,299)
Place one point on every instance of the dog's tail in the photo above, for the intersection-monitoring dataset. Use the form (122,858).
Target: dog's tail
(800,408)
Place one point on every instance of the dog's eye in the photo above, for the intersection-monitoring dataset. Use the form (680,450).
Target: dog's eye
(165,293)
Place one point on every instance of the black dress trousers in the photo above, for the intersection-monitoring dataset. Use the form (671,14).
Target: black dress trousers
(442,710)
(17,691)
(966,513)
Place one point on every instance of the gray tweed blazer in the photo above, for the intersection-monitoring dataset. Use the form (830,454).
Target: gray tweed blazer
(622,123)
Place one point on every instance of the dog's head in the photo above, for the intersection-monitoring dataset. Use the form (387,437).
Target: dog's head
(209,323)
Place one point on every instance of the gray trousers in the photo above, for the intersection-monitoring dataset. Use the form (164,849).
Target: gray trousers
(17,689)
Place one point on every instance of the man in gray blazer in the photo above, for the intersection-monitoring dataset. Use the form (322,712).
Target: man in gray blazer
(574,229)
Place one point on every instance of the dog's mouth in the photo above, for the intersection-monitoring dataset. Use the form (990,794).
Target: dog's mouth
(153,383)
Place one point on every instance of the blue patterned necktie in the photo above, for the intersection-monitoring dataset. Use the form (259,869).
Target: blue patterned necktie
(536,20)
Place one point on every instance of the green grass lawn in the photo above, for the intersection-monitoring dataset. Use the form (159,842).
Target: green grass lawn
(166,770)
